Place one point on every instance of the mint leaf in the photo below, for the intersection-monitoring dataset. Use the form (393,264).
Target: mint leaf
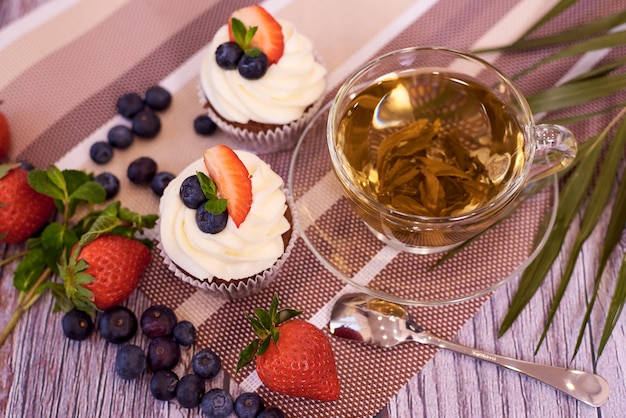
(215,206)
(239,32)
(56,177)
(75,178)
(29,269)
(90,192)
(41,183)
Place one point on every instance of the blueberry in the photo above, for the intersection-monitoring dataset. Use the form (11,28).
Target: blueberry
(117,324)
(209,222)
(253,68)
(204,125)
(227,55)
(109,182)
(142,170)
(160,181)
(157,98)
(146,124)
(163,385)
(248,405)
(120,136)
(217,403)
(189,391)
(271,412)
(130,362)
(184,333)
(206,364)
(101,152)
(191,193)
(158,321)
(163,354)
(129,105)
(77,325)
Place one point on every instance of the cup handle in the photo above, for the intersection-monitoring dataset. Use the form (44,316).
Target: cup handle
(555,149)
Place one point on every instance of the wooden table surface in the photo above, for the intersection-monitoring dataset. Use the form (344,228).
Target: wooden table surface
(450,385)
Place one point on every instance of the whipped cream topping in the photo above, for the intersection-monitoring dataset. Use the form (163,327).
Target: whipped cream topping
(279,97)
(233,253)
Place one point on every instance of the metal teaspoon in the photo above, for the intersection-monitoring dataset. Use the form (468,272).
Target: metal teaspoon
(375,321)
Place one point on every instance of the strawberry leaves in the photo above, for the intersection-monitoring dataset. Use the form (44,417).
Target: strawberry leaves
(265,324)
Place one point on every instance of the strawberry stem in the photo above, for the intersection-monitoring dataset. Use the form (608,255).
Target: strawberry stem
(26,300)
(13,257)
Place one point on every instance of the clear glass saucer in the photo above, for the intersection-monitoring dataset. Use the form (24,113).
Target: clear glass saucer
(346,247)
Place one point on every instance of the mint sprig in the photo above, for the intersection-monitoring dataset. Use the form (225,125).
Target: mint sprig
(53,252)
(243,36)
(214,204)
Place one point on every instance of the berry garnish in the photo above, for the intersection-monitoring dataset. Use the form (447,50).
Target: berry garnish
(206,364)
(109,182)
(146,124)
(254,67)
(228,54)
(210,223)
(293,357)
(163,385)
(184,333)
(191,192)
(129,105)
(120,136)
(163,354)
(23,210)
(189,391)
(204,125)
(232,180)
(217,403)
(257,29)
(142,170)
(5,137)
(130,362)
(160,181)
(101,152)
(157,98)
(271,412)
(77,325)
(248,405)
(158,321)
(117,324)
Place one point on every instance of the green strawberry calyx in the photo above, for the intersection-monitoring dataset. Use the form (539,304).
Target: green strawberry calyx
(265,325)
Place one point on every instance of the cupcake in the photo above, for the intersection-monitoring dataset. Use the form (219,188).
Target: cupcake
(265,91)
(225,224)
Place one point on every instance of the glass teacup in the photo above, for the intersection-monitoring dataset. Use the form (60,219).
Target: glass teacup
(432,146)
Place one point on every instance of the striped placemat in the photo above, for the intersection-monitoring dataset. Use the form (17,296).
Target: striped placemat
(65,65)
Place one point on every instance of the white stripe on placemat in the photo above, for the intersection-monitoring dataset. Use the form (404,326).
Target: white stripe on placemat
(32,20)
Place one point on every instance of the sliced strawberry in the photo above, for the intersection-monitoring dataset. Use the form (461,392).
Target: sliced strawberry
(232,180)
(269,34)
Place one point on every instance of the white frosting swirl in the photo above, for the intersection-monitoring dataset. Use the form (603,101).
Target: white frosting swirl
(279,97)
(233,253)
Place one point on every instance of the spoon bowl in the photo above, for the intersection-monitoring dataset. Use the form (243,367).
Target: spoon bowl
(376,321)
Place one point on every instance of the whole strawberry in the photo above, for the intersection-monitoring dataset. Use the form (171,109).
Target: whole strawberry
(116,263)
(23,211)
(293,356)
(5,137)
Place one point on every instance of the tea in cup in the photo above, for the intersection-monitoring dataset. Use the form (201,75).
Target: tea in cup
(431,146)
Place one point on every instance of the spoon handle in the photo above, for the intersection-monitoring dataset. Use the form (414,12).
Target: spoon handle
(586,387)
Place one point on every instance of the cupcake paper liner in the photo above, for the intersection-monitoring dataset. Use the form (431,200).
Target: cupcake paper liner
(237,289)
